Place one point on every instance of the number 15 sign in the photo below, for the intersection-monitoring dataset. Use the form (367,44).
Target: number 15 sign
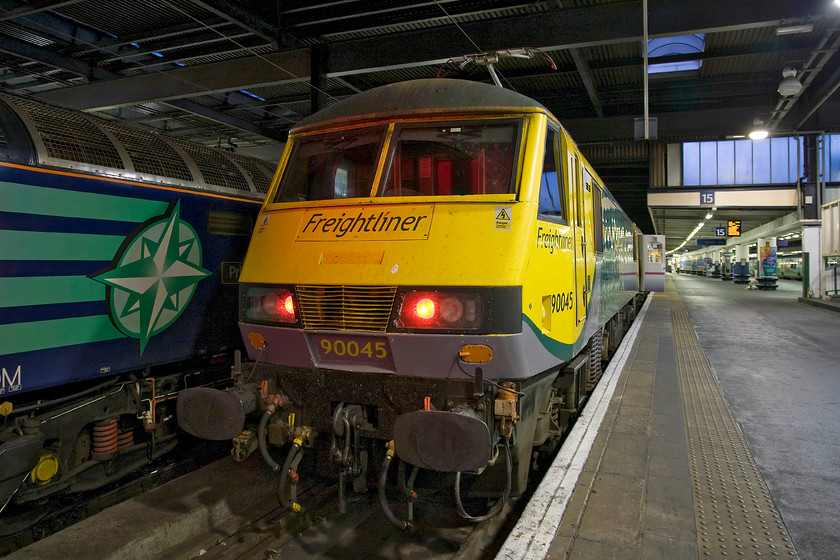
(707,198)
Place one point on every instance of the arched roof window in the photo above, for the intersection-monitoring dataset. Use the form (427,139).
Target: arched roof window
(666,46)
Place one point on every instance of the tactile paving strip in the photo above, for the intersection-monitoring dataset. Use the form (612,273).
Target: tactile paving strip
(735,515)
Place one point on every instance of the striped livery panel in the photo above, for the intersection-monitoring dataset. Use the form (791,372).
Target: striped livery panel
(61,226)
(68,245)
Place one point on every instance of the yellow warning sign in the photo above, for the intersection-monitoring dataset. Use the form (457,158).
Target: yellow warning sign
(503,217)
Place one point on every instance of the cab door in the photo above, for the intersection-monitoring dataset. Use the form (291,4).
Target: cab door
(578,219)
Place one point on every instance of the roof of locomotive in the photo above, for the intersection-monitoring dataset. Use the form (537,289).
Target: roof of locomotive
(435,94)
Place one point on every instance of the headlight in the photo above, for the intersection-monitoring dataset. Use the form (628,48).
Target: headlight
(269,305)
(442,310)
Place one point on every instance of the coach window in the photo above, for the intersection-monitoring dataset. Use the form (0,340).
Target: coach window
(551,191)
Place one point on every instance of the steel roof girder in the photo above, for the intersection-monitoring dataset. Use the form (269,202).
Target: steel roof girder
(613,23)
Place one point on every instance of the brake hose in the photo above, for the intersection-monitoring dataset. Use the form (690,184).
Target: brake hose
(287,465)
(499,505)
(273,465)
(383,500)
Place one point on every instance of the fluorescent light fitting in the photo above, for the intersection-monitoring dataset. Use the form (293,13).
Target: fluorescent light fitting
(792,29)
(759,134)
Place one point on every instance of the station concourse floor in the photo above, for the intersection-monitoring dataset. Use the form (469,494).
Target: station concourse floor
(721,438)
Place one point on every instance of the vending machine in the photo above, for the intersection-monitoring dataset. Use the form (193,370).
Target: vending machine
(652,263)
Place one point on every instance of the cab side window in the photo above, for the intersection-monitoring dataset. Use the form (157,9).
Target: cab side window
(551,188)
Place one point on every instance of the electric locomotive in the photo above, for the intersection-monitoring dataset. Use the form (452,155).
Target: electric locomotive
(436,275)
(119,257)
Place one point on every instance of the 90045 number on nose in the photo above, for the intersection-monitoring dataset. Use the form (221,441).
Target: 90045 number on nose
(349,349)
(353,348)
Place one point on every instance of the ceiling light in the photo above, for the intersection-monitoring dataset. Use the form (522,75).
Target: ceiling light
(789,84)
(791,29)
(758,132)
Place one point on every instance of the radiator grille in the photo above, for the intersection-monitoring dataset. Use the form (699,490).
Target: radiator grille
(69,135)
(260,172)
(150,154)
(216,168)
(345,308)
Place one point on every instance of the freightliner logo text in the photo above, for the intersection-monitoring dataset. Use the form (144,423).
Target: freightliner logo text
(410,223)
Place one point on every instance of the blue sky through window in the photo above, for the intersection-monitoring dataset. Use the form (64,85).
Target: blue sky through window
(744,162)
(683,44)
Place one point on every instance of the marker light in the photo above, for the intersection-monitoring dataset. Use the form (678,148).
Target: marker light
(476,353)
(451,309)
(425,308)
(443,309)
(289,305)
(257,340)
(268,304)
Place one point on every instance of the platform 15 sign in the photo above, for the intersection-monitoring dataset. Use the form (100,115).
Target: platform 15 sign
(707,198)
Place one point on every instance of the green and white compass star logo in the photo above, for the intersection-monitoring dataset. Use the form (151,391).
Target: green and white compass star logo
(154,278)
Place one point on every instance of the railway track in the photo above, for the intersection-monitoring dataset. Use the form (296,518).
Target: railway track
(362,532)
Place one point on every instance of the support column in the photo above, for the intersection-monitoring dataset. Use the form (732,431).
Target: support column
(812,245)
(716,264)
(741,266)
(318,83)
(766,271)
(726,264)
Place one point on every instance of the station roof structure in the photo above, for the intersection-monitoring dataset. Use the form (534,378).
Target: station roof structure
(238,74)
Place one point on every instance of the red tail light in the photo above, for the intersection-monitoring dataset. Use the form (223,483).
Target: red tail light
(269,304)
(425,309)
(288,306)
(441,310)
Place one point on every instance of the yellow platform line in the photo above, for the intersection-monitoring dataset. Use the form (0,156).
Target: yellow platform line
(734,512)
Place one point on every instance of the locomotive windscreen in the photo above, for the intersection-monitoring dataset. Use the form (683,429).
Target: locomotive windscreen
(430,159)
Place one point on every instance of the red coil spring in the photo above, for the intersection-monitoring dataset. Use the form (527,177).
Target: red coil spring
(105,435)
(126,439)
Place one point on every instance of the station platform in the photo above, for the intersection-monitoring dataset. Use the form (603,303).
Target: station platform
(714,433)
(170,522)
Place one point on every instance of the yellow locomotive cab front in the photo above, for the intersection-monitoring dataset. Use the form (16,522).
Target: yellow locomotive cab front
(431,270)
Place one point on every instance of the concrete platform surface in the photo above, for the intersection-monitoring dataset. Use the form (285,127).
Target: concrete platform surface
(218,496)
(721,437)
